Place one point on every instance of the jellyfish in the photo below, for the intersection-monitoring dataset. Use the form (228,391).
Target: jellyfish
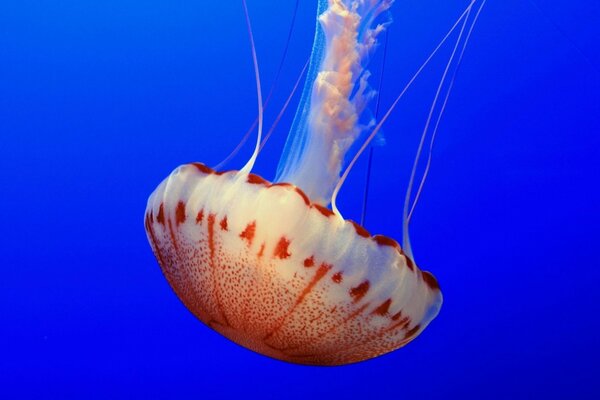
(273,266)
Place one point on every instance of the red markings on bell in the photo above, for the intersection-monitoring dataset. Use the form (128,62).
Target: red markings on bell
(173,236)
(383,308)
(297,189)
(323,210)
(360,231)
(402,324)
(355,314)
(409,263)
(256,180)
(321,272)
(155,247)
(214,265)
(281,184)
(303,195)
(223,223)
(430,280)
(203,168)
(161,214)
(248,233)
(147,223)
(281,250)
(359,292)
(303,317)
(180,213)
(412,332)
(396,316)
(211,236)
(337,277)
(386,241)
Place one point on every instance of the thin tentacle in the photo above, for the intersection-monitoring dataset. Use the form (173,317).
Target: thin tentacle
(363,214)
(389,112)
(285,106)
(250,164)
(274,85)
(413,173)
(440,114)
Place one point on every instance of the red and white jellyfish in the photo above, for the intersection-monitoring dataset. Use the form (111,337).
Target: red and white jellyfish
(274,266)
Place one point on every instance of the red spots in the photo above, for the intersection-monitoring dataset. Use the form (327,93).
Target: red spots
(200,217)
(261,251)
(180,213)
(150,217)
(309,262)
(173,237)
(359,292)
(430,280)
(281,250)
(223,223)
(337,278)
(412,332)
(256,180)
(203,168)
(353,315)
(211,235)
(155,247)
(214,265)
(383,308)
(360,231)
(323,210)
(248,233)
(161,214)
(321,272)
(386,241)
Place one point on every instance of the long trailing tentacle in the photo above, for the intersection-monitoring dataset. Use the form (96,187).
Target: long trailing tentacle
(285,106)
(274,85)
(250,164)
(405,214)
(391,109)
(441,113)
(363,214)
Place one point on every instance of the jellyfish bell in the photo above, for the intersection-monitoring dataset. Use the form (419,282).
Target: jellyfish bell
(268,265)
(261,264)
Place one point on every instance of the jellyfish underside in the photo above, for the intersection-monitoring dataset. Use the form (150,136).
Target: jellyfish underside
(268,265)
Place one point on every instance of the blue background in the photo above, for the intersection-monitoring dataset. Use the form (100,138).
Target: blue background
(100,100)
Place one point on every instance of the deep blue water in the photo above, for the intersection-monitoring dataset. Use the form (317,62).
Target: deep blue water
(100,100)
